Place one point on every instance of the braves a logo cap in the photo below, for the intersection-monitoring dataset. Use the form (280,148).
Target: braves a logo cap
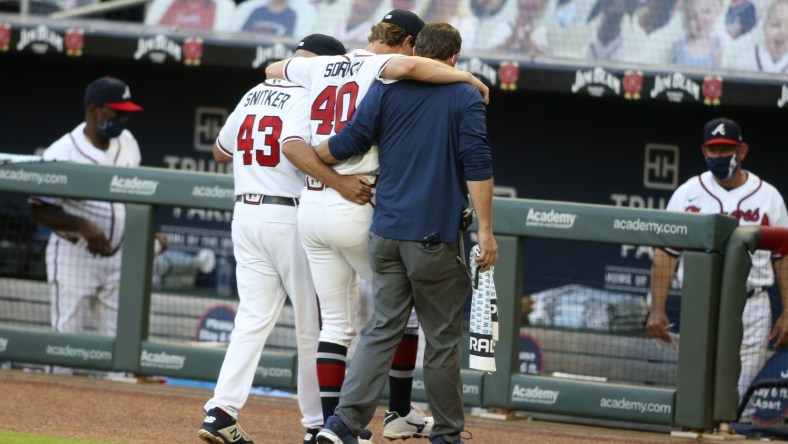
(322,45)
(406,20)
(721,131)
(112,93)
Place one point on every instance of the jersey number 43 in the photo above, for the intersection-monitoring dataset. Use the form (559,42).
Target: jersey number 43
(268,129)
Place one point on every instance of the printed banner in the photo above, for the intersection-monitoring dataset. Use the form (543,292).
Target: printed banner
(483,317)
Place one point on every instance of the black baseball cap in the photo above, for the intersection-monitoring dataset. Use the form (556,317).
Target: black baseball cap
(322,45)
(721,131)
(406,20)
(112,93)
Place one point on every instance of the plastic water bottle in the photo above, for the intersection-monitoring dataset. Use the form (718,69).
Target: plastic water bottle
(223,272)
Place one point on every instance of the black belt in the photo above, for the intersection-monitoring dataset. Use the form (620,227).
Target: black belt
(257,199)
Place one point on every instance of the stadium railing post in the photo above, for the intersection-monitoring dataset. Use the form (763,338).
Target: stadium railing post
(730,330)
(698,319)
(135,288)
(508,283)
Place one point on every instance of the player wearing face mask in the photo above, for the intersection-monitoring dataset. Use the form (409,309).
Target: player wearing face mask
(84,250)
(727,188)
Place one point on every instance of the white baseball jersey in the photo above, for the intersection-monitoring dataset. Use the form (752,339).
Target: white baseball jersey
(83,284)
(270,114)
(753,203)
(75,147)
(271,263)
(337,84)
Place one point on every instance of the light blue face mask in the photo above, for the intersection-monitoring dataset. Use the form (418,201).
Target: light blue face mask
(111,128)
(722,167)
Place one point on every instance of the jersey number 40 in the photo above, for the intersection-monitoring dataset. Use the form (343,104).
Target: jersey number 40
(334,108)
(269,128)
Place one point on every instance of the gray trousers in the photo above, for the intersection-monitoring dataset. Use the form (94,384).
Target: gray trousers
(435,280)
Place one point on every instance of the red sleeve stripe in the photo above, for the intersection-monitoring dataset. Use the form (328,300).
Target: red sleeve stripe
(383,67)
(284,71)
(275,85)
(291,138)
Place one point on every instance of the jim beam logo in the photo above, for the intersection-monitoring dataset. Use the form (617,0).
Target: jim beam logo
(783,97)
(596,81)
(192,51)
(274,52)
(633,84)
(675,87)
(5,37)
(40,40)
(508,73)
(712,90)
(75,42)
(479,68)
(157,48)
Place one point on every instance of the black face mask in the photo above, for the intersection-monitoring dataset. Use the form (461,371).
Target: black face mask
(722,167)
(111,128)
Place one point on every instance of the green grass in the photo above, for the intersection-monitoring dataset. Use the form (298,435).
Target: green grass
(24,438)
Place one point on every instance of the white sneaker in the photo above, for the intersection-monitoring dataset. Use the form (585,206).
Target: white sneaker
(415,424)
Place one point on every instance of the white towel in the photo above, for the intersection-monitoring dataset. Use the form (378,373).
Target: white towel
(483,317)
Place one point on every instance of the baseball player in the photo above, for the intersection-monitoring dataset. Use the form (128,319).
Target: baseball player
(334,230)
(271,263)
(729,189)
(83,255)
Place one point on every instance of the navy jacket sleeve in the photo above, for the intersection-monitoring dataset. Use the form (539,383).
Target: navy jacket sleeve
(475,153)
(359,134)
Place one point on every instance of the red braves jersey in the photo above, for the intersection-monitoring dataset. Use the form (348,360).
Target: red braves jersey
(268,116)
(123,151)
(753,203)
(337,84)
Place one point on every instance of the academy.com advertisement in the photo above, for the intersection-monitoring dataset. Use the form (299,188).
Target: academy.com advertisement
(592,400)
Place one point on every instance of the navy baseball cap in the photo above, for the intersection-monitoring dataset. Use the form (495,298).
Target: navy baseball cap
(406,20)
(112,93)
(322,45)
(721,131)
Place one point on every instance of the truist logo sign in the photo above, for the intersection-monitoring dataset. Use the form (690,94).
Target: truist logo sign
(3,344)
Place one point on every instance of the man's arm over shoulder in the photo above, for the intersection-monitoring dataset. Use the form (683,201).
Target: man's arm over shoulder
(430,71)
(475,153)
(297,69)
(276,70)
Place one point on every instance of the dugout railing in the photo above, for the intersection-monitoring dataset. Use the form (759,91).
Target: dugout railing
(733,297)
(702,237)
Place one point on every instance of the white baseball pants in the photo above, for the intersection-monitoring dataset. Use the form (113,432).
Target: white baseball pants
(270,265)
